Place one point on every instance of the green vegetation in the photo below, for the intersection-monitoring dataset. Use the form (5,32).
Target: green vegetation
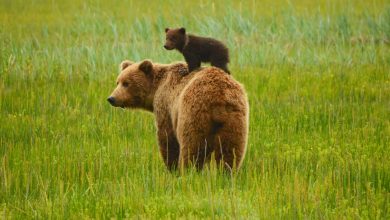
(317,75)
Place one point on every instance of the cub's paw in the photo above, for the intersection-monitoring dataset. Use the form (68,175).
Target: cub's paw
(183,71)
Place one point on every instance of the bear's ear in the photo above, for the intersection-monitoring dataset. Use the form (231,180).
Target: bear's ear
(182,30)
(125,64)
(166,30)
(146,66)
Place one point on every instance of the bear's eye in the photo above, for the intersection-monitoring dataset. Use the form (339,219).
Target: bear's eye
(125,84)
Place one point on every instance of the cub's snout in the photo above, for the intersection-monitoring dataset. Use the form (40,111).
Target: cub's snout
(168,47)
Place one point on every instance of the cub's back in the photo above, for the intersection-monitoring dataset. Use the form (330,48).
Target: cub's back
(206,46)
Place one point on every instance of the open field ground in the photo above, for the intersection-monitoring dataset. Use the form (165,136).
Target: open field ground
(317,75)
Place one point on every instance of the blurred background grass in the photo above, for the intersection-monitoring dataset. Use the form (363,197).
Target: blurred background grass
(317,76)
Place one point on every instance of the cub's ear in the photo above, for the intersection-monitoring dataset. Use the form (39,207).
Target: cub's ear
(182,30)
(125,64)
(166,30)
(146,66)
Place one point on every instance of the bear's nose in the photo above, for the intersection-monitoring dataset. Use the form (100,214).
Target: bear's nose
(111,100)
(165,46)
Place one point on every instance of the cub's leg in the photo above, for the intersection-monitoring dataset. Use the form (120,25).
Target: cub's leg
(193,62)
(220,64)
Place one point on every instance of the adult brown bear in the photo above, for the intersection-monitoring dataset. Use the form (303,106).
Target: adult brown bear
(196,114)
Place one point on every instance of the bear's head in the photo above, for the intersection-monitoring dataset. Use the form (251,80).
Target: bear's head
(175,38)
(134,86)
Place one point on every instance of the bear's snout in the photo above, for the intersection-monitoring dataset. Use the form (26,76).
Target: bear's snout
(111,100)
(167,47)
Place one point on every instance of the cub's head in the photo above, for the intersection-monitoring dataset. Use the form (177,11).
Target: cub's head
(134,86)
(175,38)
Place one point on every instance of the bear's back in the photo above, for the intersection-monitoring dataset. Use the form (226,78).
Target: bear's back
(210,91)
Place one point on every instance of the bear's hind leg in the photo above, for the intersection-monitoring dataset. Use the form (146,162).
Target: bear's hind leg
(195,146)
(195,152)
(230,142)
(220,64)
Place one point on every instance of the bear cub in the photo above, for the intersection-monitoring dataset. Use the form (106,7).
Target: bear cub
(197,49)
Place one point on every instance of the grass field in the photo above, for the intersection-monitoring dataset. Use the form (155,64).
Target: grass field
(317,74)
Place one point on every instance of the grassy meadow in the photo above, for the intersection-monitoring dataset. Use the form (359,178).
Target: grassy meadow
(317,74)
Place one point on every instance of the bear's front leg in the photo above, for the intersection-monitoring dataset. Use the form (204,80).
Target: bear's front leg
(169,148)
(193,62)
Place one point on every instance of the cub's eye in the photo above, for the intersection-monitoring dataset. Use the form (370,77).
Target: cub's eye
(125,84)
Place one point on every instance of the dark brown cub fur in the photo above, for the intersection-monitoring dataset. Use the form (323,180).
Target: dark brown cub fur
(197,49)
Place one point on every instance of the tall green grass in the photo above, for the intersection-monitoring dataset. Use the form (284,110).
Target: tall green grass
(318,80)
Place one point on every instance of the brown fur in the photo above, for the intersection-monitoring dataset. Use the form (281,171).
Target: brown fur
(195,115)
(197,49)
